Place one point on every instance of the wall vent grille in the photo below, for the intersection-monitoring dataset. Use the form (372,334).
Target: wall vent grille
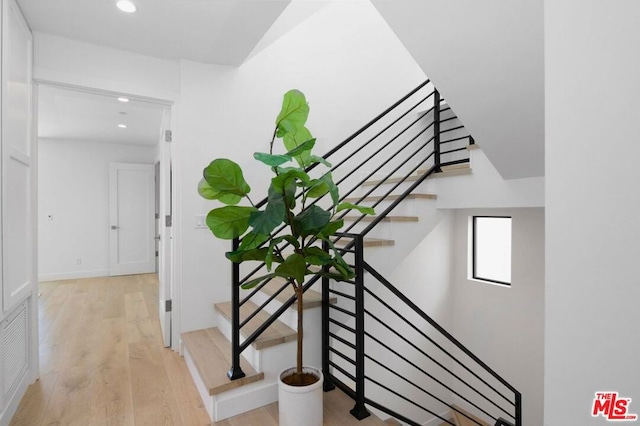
(14,352)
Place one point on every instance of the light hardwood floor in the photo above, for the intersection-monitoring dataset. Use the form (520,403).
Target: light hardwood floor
(102,361)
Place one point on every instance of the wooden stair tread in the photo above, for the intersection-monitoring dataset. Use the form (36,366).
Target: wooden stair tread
(211,354)
(386,219)
(312,298)
(276,334)
(374,198)
(452,170)
(461,420)
(368,242)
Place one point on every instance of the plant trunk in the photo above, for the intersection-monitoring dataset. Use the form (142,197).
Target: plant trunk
(299,294)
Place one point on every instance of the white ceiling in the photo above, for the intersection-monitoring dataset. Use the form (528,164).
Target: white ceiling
(208,31)
(91,117)
(222,32)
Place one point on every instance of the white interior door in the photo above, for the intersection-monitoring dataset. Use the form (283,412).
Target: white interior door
(132,213)
(165,234)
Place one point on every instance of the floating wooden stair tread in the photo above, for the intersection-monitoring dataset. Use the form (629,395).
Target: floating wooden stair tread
(453,170)
(211,354)
(392,422)
(368,242)
(276,334)
(461,420)
(386,219)
(374,198)
(312,298)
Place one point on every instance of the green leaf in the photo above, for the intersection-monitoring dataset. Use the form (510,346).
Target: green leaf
(317,256)
(305,146)
(311,220)
(254,282)
(252,240)
(317,188)
(272,160)
(226,177)
(333,189)
(331,229)
(315,159)
(293,114)
(240,256)
(346,273)
(263,222)
(206,191)
(230,221)
(294,267)
(350,206)
(288,175)
(298,138)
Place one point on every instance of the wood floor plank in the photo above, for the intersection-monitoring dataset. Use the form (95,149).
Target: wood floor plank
(94,334)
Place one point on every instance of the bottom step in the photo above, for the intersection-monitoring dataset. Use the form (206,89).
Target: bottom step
(336,412)
(207,354)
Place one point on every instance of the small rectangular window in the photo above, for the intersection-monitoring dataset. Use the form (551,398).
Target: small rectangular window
(491,249)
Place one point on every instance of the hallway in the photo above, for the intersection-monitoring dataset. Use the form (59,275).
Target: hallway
(102,360)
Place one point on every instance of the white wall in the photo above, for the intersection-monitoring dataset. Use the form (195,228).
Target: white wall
(592,205)
(350,66)
(486,188)
(504,326)
(486,57)
(73,188)
(76,63)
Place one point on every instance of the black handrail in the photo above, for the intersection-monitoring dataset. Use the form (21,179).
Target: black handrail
(365,297)
(405,154)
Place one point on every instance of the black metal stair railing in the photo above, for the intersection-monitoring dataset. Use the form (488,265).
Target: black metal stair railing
(417,133)
(385,352)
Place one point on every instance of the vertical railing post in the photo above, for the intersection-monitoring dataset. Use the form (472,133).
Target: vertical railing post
(235,372)
(328,383)
(436,130)
(518,402)
(359,411)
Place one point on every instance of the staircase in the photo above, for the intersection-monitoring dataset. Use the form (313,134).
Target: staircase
(390,164)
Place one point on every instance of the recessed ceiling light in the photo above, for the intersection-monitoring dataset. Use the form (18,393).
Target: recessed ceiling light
(123,99)
(122,126)
(126,6)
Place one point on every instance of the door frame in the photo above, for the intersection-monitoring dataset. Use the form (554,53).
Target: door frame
(172,255)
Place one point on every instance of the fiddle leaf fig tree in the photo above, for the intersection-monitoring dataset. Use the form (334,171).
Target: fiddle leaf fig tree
(288,253)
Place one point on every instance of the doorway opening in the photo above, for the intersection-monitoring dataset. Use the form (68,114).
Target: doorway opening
(104,188)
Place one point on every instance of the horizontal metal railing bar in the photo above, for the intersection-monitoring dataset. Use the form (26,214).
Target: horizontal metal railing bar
(341,325)
(341,294)
(375,120)
(342,340)
(374,137)
(395,414)
(451,163)
(437,326)
(503,422)
(341,355)
(258,331)
(404,195)
(440,400)
(389,175)
(433,342)
(444,120)
(343,310)
(454,139)
(406,399)
(342,370)
(453,150)
(262,306)
(451,129)
(255,290)
(450,389)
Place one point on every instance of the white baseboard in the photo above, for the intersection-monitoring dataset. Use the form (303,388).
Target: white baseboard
(73,275)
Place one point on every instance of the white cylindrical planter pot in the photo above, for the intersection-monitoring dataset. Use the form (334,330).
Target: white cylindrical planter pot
(300,405)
